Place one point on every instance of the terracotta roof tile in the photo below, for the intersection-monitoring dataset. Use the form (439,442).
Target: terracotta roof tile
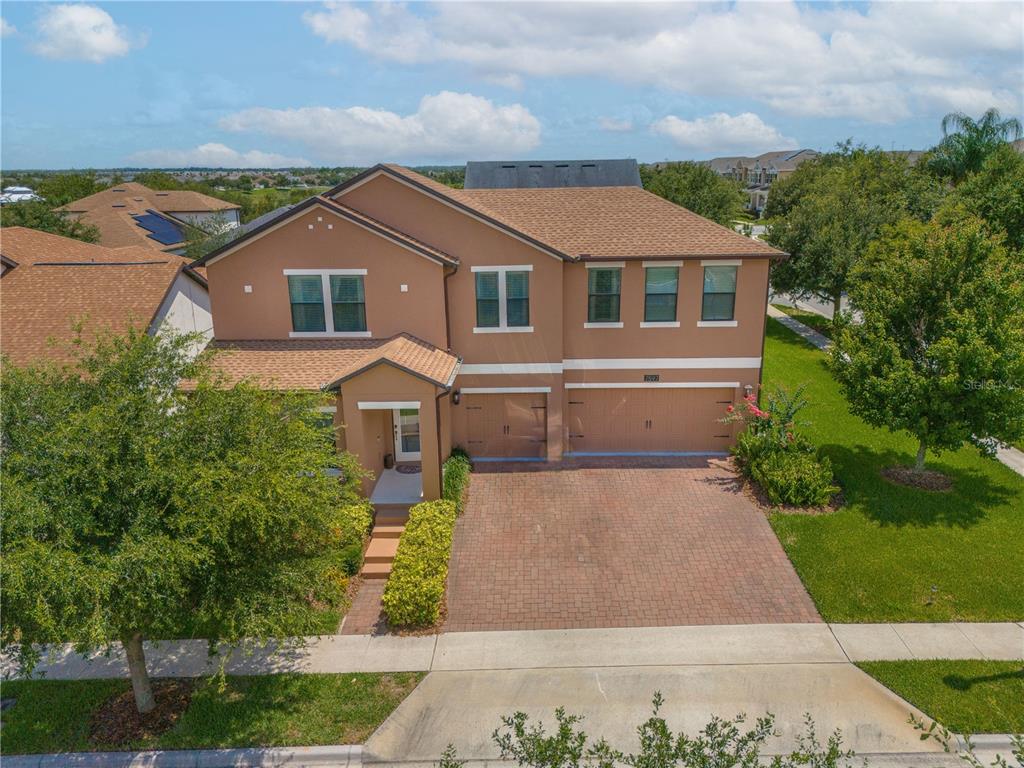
(313,364)
(59,281)
(615,222)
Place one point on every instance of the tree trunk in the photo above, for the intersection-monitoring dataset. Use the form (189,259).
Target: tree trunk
(837,303)
(144,701)
(919,462)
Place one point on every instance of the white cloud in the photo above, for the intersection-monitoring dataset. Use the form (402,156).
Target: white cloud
(214,155)
(6,28)
(612,125)
(722,133)
(82,33)
(445,126)
(880,63)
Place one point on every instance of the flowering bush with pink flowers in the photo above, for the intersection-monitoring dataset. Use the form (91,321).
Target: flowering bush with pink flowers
(771,451)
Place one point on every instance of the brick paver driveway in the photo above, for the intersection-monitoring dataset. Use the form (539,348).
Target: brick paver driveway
(617,543)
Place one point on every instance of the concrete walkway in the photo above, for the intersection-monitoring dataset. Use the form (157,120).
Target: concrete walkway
(765,644)
(1007,454)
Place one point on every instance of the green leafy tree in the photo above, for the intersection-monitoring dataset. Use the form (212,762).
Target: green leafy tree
(42,216)
(62,188)
(697,187)
(135,510)
(831,209)
(967,142)
(996,194)
(940,351)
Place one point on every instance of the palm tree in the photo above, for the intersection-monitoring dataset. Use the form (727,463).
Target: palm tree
(967,142)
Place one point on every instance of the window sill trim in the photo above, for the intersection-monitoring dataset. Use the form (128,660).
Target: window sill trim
(328,335)
(717,324)
(509,329)
(661,324)
(602,325)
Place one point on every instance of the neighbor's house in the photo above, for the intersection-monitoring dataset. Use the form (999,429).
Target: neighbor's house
(50,283)
(757,174)
(516,323)
(133,214)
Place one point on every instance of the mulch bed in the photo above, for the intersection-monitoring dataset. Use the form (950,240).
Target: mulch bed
(925,480)
(117,723)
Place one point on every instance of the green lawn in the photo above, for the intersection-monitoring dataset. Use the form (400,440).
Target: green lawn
(269,711)
(894,553)
(965,696)
(819,323)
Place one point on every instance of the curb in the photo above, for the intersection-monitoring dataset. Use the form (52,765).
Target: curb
(987,742)
(254,757)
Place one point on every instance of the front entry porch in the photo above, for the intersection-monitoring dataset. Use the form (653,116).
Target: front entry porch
(401,485)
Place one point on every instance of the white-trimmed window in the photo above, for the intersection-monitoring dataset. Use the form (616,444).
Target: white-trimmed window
(327,302)
(502,299)
(604,289)
(719,301)
(661,291)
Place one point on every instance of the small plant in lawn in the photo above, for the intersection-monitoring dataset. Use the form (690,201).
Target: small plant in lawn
(771,452)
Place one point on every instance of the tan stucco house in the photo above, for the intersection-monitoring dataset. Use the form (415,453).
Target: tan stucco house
(517,323)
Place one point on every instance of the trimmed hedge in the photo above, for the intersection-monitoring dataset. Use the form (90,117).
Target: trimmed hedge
(456,478)
(415,588)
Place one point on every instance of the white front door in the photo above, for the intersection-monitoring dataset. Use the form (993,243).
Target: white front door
(407,434)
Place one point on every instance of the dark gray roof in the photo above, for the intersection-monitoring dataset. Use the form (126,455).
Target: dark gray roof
(261,220)
(523,174)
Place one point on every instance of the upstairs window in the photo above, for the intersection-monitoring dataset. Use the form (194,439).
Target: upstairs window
(502,299)
(327,302)
(348,303)
(307,297)
(719,302)
(604,289)
(660,293)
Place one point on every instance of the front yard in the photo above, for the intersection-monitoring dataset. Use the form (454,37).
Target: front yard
(894,553)
(965,696)
(267,711)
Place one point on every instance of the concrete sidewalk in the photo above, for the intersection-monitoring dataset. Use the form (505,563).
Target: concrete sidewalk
(571,648)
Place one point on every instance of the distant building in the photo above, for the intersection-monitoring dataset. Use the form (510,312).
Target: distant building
(51,282)
(756,174)
(534,174)
(18,195)
(132,214)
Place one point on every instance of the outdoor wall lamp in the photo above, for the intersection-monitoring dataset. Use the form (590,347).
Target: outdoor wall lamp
(456,396)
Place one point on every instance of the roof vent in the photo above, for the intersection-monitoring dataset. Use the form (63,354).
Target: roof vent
(508,166)
(561,165)
(120,189)
(589,165)
(118,205)
(158,194)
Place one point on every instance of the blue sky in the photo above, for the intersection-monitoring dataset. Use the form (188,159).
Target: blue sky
(257,84)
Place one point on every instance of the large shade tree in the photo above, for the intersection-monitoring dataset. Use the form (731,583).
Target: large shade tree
(996,194)
(940,351)
(831,209)
(967,143)
(697,187)
(135,510)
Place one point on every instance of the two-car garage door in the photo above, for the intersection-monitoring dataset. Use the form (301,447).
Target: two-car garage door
(647,420)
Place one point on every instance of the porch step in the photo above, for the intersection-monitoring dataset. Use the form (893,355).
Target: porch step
(384,513)
(388,531)
(375,570)
(381,550)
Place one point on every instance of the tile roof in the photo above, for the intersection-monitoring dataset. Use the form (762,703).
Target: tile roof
(314,364)
(111,211)
(615,222)
(59,281)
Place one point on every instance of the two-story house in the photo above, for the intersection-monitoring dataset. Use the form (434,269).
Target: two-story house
(527,324)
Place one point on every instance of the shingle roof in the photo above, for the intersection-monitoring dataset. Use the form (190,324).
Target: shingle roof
(523,174)
(314,364)
(616,222)
(111,211)
(59,281)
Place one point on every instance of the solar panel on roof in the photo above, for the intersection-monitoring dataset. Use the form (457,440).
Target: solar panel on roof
(160,229)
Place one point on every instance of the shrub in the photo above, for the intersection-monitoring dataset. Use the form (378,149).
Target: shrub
(456,478)
(797,478)
(355,520)
(415,587)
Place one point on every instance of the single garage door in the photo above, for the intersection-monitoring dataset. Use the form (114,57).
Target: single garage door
(650,420)
(506,426)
